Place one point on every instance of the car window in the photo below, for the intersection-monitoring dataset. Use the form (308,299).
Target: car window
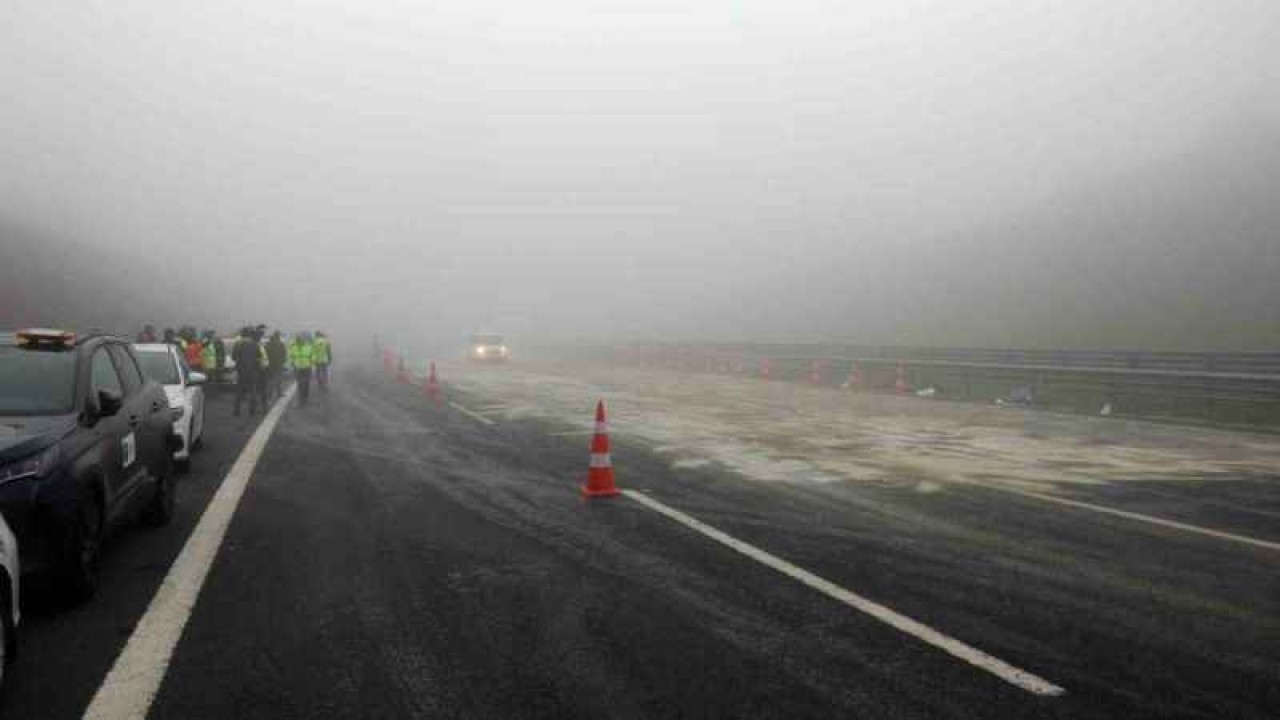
(129,371)
(35,382)
(160,366)
(102,373)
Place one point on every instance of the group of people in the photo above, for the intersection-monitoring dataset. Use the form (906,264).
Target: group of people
(204,352)
(263,363)
(260,360)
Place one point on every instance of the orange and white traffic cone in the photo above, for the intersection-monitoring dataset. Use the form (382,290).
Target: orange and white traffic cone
(900,383)
(431,388)
(766,367)
(855,377)
(815,373)
(600,474)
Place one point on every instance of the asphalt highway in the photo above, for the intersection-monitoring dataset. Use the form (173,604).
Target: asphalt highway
(394,558)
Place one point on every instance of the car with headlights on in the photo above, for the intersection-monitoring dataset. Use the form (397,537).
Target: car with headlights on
(184,388)
(86,446)
(488,348)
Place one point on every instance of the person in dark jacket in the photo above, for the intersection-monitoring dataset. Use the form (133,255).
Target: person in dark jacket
(277,355)
(246,354)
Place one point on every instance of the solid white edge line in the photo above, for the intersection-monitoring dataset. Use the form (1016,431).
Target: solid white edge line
(471,413)
(979,659)
(134,679)
(1150,519)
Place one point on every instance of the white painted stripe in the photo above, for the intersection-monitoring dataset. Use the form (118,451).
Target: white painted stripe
(602,427)
(601,460)
(471,414)
(1186,527)
(131,685)
(973,656)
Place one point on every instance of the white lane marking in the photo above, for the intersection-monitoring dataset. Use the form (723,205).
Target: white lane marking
(573,433)
(471,414)
(973,656)
(1174,524)
(131,685)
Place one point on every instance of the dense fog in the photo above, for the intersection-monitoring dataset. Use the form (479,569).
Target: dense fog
(1082,174)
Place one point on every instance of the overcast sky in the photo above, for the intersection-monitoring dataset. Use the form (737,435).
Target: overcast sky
(631,168)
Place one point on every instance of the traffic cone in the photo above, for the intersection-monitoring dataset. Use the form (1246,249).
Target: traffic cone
(900,383)
(855,377)
(600,474)
(815,373)
(431,388)
(765,368)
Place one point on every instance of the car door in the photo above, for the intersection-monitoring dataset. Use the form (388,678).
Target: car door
(148,413)
(117,445)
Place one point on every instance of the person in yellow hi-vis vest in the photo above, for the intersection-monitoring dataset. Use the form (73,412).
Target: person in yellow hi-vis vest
(302,356)
(324,358)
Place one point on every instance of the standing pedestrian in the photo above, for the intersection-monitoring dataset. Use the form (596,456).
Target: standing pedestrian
(194,351)
(277,356)
(302,357)
(220,357)
(248,371)
(148,334)
(324,358)
(209,356)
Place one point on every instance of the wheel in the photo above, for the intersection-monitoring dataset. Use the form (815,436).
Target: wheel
(84,552)
(159,511)
(5,639)
(198,442)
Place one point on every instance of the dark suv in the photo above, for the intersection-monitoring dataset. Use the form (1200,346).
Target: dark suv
(85,446)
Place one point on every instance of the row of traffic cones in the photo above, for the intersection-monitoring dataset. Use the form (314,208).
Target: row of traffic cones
(600,478)
(430,386)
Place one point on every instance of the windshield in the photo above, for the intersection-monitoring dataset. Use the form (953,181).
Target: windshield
(159,366)
(36,382)
(486,340)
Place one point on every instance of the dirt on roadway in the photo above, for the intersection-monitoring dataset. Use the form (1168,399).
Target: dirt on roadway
(787,433)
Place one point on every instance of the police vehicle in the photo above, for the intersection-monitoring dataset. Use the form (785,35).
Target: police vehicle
(86,445)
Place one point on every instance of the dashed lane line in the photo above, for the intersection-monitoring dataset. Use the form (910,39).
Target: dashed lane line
(131,685)
(471,414)
(975,657)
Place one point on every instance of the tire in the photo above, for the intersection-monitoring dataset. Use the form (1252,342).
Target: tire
(8,632)
(83,559)
(199,441)
(6,638)
(160,510)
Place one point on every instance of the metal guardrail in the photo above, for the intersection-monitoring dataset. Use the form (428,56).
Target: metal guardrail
(1224,389)
(1255,363)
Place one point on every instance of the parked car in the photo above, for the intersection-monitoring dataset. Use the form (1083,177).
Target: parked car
(10,608)
(86,445)
(183,387)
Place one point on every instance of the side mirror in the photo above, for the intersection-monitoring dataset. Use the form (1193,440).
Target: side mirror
(197,378)
(109,402)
